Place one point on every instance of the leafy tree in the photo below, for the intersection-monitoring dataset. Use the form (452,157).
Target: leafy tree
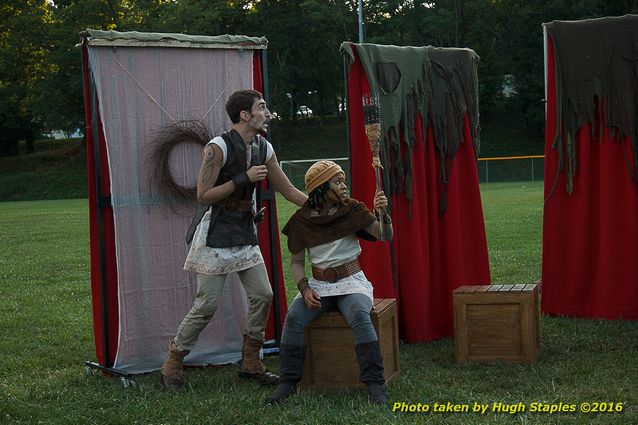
(23,51)
(212,17)
(62,81)
(304,61)
(41,76)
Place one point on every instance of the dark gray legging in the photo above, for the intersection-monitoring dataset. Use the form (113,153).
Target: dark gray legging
(355,308)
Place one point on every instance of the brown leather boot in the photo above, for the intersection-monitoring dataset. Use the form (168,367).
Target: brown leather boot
(171,373)
(251,366)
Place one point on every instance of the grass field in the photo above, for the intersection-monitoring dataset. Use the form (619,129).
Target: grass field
(46,335)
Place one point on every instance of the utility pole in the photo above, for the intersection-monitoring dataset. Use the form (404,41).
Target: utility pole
(360,21)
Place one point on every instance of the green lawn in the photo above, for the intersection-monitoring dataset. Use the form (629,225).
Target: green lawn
(46,335)
(513,215)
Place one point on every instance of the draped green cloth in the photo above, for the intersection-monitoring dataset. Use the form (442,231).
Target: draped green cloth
(439,84)
(175,38)
(595,59)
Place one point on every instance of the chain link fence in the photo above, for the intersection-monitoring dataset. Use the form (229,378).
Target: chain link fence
(511,168)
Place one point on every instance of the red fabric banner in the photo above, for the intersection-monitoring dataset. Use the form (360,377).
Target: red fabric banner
(100,219)
(268,233)
(590,238)
(433,253)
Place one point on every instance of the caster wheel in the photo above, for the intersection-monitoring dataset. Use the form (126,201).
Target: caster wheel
(126,382)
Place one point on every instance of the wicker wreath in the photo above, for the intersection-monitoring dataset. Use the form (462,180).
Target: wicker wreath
(166,138)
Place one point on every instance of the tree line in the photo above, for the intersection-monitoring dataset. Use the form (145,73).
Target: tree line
(41,73)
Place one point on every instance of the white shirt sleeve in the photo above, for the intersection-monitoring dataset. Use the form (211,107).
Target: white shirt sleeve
(219,141)
(269,151)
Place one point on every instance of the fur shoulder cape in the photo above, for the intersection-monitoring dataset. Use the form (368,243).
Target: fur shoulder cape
(304,231)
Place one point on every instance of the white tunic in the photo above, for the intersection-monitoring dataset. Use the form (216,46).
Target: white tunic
(215,261)
(333,254)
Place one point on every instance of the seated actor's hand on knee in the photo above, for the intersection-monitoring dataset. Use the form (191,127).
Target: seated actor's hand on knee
(312,299)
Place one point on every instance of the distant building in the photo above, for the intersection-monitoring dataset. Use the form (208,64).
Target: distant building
(59,134)
(508,86)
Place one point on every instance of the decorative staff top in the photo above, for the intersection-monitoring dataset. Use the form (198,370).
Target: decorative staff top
(372,121)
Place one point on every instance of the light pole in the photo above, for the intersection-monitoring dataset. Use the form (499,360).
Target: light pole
(360,21)
(292,109)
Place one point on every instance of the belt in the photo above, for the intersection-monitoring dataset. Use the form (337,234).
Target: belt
(333,274)
(235,204)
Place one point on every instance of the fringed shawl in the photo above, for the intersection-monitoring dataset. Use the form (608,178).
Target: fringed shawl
(440,84)
(594,59)
(306,231)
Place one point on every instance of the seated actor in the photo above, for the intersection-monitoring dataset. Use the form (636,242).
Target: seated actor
(328,225)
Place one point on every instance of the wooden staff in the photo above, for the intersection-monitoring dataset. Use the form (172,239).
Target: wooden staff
(372,122)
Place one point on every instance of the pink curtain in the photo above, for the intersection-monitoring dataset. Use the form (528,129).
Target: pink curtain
(139,90)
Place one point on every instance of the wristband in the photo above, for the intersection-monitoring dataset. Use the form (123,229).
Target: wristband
(241,180)
(303,285)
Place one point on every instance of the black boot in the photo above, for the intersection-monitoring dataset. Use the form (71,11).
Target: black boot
(371,365)
(291,359)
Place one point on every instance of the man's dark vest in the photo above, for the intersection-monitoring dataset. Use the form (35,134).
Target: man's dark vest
(230,225)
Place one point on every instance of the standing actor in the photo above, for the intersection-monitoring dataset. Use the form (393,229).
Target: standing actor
(225,238)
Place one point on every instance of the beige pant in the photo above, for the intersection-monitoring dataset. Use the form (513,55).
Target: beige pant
(209,288)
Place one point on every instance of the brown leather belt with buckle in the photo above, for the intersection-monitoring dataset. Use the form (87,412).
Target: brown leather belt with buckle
(236,204)
(333,274)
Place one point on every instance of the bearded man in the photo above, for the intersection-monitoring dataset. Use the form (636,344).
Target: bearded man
(224,239)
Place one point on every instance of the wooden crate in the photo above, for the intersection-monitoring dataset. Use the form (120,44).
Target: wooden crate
(331,362)
(496,323)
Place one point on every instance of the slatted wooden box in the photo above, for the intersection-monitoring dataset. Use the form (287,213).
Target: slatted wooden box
(496,323)
(331,362)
